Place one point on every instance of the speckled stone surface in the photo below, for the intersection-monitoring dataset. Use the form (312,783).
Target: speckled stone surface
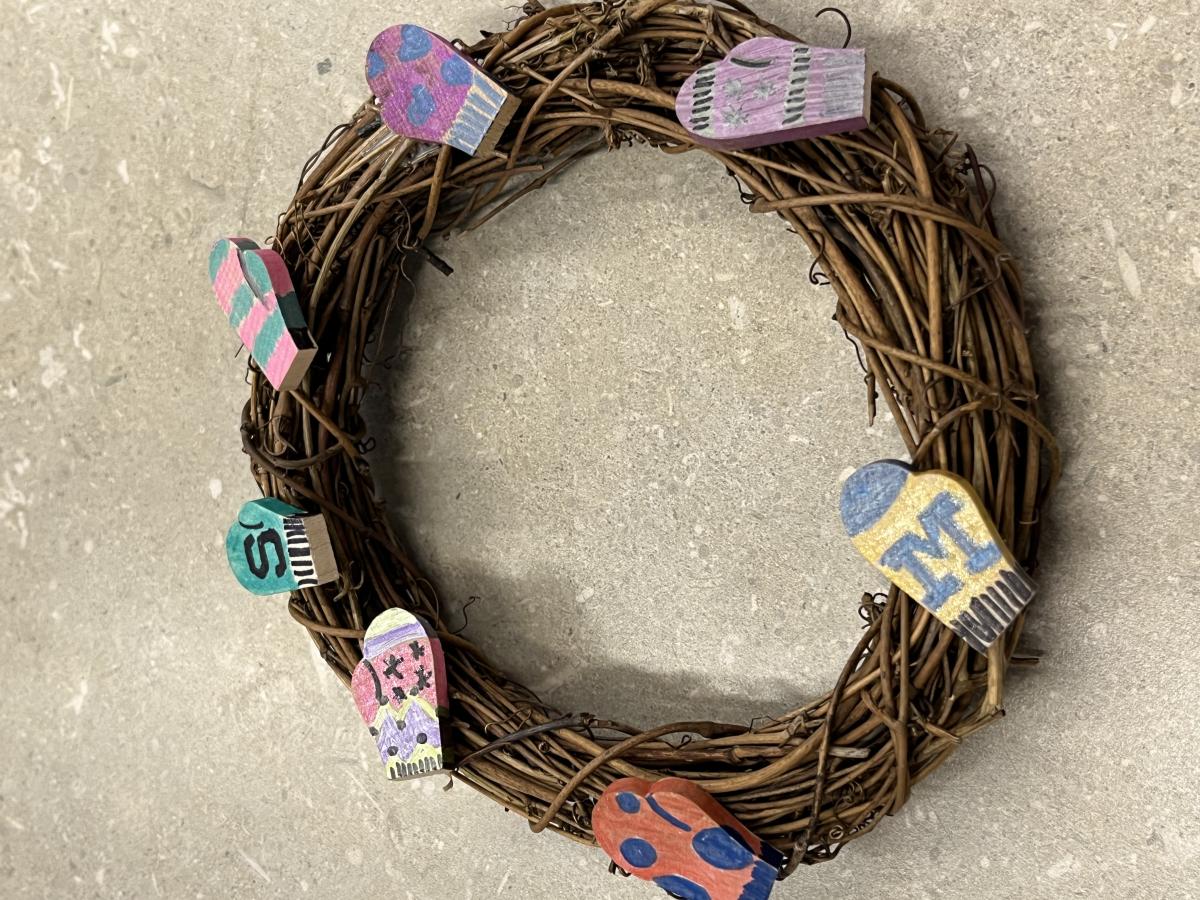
(621,423)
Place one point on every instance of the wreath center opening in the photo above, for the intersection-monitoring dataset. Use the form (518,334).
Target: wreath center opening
(627,439)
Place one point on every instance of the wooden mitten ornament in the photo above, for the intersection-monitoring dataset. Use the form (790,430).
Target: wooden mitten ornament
(929,533)
(401,692)
(673,833)
(274,547)
(254,289)
(769,90)
(429,91)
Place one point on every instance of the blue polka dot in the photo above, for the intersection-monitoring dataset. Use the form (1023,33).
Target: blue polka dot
(375,65)
(638,853)
(628,802)
(414,43)
(682,887)
(421,106)
(718,848)
(456,70)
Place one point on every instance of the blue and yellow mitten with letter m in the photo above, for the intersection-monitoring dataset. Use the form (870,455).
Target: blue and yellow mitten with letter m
(929,534)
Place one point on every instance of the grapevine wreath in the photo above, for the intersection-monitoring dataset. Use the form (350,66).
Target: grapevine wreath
(898,218)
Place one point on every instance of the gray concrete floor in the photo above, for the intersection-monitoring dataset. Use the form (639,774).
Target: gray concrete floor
(630,452)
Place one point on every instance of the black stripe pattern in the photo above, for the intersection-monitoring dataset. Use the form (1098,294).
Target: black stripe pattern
(991,613)
(300,552)
(796,102)
(702,100)
(400,770)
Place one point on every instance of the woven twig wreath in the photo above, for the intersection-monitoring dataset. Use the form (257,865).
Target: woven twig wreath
(898,219)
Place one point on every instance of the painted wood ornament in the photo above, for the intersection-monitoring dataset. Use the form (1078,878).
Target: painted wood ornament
(768,90)
(430,91)
(401,692)
(255,291)
(929,533)
(274,548)
(675,834)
